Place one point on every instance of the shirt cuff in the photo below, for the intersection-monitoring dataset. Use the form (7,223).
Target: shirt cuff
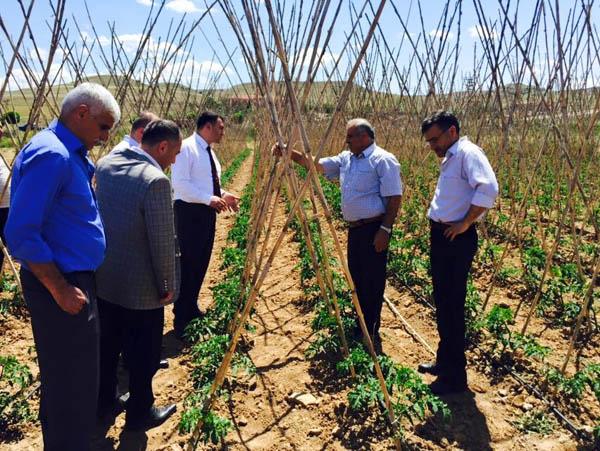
(483,200)
(330,168)
(392,192)
(33,252)
(204,199)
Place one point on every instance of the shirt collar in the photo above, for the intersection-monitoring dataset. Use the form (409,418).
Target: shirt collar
(366,153)
(200,140)
(148,156)
(452,149)
(131,142)
(66,136)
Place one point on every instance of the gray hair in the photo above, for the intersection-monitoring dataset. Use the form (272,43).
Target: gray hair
(95,96)
(362,125)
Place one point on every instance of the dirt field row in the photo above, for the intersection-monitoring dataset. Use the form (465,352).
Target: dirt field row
(265,413)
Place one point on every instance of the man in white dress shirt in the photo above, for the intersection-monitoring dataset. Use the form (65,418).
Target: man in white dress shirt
(198,198)
(466,189)
(134,139)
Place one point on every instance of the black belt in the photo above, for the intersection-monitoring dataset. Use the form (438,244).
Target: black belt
(438,225)
(353,224)
(443,225)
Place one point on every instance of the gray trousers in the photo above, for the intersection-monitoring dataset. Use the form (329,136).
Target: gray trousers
(68,356)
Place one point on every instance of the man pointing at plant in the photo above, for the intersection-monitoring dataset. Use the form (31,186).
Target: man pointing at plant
(371,195)
(466,189)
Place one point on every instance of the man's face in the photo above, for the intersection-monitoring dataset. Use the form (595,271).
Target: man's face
(357,140)
(216,131)
(440,140)
(92,129)
(168,151)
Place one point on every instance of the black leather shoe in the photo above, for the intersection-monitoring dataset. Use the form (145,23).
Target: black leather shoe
(429,367)
(441,387)
(114,408)
(163,364)
(155,417)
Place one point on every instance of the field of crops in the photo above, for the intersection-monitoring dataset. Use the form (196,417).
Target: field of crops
(272,364)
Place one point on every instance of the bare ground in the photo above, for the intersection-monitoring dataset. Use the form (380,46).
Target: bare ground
(264,415)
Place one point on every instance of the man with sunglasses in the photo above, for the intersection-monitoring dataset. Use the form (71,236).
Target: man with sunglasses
(466,189)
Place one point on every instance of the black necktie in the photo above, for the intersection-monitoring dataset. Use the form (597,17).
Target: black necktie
(215,175)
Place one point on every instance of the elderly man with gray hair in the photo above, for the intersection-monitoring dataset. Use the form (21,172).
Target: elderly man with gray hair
(371,194)
(55,231)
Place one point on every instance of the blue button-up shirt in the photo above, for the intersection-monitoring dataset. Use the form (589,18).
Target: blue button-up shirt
(366,180)
(53,212)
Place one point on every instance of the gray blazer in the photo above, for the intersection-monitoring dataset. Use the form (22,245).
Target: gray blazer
(136,206)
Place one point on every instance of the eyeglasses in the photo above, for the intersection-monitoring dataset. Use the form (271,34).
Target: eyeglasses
(435,139)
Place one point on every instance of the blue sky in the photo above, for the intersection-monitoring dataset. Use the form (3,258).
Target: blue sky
(203,69)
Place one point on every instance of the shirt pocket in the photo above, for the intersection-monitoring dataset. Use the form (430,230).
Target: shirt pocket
(365,180)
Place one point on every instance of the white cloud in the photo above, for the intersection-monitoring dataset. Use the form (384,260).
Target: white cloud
(88,39)
(483,33)
(441,34)
(182,6)
(103,40)
(145,2)
(193,73)
(327,58)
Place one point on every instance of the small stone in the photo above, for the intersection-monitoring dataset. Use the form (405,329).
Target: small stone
(314,432)
(304,399)
(518,400)
(242,421)
(527,406)
(502,392)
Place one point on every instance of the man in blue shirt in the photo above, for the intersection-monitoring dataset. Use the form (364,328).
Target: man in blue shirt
(54,230)
(371,194)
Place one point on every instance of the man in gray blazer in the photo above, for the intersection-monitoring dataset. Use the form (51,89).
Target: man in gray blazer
(140,273)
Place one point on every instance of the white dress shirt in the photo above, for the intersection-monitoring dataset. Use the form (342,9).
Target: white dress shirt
(466,178)
(150,157)
(127,143)
(191,174)
(4,176)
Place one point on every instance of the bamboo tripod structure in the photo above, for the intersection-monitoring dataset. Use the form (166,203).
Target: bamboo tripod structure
(312,181)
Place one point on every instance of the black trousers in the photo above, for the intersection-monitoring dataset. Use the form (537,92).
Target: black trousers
(368,271)
(67,351)
(3,218)
(450,266)
(196,234)
(138,334)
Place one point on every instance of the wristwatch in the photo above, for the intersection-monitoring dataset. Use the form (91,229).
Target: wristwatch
(387,229)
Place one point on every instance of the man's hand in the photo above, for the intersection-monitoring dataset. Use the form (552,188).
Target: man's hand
(70,299)
(167,298)
(381,241)
(276,150)
(218,204)
(456,229)
(231,201)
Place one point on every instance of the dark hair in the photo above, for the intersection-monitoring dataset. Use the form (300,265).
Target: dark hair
(206,117)
(443,119)
(144,119)
(160,130)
